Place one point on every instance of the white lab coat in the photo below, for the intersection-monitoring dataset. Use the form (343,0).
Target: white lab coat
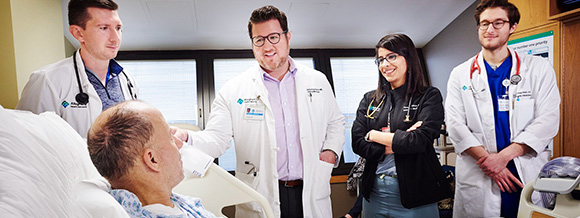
(534,117)
(321,127)
(54,87)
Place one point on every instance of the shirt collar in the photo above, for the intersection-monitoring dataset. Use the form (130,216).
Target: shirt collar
(504,66)
(114,69)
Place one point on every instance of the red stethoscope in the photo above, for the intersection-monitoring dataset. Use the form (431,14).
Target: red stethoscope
(514,79)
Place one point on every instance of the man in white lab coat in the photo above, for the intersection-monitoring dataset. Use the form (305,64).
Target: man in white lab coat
(502,111)
(78,88)
(286,125)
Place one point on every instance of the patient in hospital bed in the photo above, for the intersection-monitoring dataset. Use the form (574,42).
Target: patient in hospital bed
(132,146)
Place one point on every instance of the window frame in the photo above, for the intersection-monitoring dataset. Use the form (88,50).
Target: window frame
(205,78)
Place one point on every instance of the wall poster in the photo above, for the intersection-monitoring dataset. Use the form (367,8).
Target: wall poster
(541,44)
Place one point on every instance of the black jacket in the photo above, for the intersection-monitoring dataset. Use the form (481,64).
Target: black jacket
(419,173)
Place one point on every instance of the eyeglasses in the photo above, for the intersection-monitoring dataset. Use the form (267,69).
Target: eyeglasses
(273,38)
(390,58)
(496,24)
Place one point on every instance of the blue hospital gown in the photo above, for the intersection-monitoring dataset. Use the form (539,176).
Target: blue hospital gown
(134,208)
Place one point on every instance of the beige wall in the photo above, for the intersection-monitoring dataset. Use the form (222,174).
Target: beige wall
(8,82)
(32,37)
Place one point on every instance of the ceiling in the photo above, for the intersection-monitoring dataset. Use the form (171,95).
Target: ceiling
(222,24)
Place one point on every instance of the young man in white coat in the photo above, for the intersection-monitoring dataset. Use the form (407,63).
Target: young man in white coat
(502,111)
(78,88)
(286,125)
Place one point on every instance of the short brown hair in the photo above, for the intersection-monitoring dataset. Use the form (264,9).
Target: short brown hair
(511,9)
(119,141)
(77,10)
(267,13)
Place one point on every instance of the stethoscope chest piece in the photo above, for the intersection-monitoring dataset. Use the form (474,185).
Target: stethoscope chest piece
(515,79)
(82,98)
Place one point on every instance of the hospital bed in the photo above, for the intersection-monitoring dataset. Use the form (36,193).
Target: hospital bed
(560,178)
(46,171)
(218,188)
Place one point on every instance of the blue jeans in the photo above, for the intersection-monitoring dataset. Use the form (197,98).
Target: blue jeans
(385,201)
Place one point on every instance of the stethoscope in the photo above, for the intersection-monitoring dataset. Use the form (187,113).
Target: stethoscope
(514,79)
(374,109)
(82,97)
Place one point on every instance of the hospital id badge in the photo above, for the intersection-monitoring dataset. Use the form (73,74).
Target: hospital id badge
(254,111)
(503,103)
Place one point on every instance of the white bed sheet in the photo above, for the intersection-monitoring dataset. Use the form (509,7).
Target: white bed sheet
(46,171)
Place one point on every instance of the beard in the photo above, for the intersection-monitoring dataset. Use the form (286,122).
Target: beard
(273,66)
(493,44)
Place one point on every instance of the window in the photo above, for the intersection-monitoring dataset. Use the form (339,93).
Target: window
(169,85)
(182,83)
(352,77)
(226,69)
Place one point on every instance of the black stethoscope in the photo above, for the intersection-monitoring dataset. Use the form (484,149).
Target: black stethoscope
(514,79)
(82,97)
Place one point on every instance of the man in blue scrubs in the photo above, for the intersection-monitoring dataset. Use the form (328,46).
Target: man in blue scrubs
(502,111)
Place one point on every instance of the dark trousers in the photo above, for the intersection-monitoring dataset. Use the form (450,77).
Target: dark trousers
(291,201)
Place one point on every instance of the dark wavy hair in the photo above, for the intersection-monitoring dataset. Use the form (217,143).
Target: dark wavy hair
(77,10)
(415,78)
(267,13)
(511,9)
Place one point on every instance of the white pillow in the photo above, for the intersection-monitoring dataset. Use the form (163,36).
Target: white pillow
(42,163)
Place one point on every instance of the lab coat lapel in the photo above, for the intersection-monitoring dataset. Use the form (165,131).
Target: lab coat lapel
(485,105)
(258,80)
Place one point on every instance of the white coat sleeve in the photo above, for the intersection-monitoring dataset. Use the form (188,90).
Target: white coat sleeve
(39,95)
(216,138)
(546,121)
(455,115)
(334,139)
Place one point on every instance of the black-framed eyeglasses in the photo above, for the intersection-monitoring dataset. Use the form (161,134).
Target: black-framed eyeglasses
(273,38)
(390,58)
(496,24)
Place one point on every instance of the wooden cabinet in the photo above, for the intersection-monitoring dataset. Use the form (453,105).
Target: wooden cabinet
(554,13)
(533,13)
(541,16)
(571,79)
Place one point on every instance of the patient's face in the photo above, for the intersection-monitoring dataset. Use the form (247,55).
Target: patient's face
(167,146)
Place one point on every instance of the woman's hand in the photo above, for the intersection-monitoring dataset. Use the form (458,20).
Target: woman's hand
(415,126)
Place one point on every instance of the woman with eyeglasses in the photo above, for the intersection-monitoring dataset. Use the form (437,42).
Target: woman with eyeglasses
(394,130)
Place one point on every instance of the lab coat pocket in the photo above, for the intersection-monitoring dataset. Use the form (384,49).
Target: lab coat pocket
(247,178)
(524,113)
(323,180)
